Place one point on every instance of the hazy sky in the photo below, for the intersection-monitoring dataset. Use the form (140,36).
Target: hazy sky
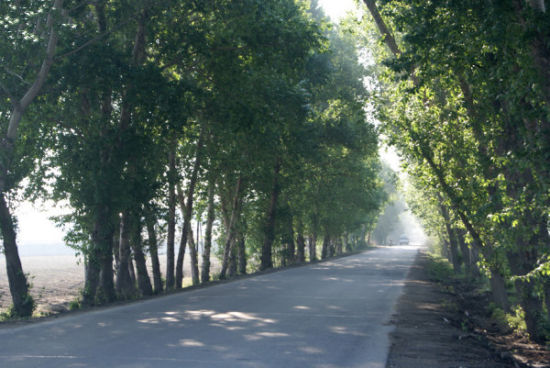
(336,9)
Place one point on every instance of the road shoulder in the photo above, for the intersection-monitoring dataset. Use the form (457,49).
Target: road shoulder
(426,334)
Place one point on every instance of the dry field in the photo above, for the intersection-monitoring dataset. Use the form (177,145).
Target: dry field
(57,280)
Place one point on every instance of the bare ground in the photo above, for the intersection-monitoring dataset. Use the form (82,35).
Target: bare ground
(56,281)
(437,328)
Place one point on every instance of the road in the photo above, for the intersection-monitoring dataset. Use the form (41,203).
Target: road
(325,315)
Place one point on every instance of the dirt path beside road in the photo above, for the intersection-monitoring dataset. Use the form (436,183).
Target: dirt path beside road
(426,335)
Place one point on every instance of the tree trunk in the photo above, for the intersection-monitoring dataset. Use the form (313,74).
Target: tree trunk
(546,287)
(241,253)
(91,277)
(347,243)
(186,237)
(232,268)
(455,258)
(153,251)
(195,277)
(124,284)
(522,261)
(172,177)
(21,105)
(102,240)
(331,247)
(210,217)
(300,241)
(291,250)
(312,241)
(116,248)
(142,276)
(497,281)
(23,303)
(269,232)
(132,270)
(532,306)
(230,230)
(445,251)
(498,291)
(326,245)
(469,258)
(339,246)
(187,212)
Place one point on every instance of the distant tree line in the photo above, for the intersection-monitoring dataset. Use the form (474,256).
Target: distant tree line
(146,116)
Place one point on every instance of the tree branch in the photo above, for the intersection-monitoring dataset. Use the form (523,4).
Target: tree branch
(387,36)
(40,78)
(11,72)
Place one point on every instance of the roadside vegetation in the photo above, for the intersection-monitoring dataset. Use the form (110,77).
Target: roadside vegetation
(149,118)
(464,95)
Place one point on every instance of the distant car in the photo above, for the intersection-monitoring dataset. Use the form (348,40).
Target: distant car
(403,240)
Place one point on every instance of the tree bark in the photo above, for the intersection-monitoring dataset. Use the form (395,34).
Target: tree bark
(116,248)
(124,284)
(241,253)
(339,246)
(91,277)
(210,217)
(142,276)
(498,291)
(522,261)
(312,243)
(301,243)
(232,267)
(230,230)
(31,93)
(153,251)
(326,245)
(290,246)
(195,277)
(102,240)
(269,230)
(469,259)
(451,233)
(23,304)
(187,211)
(172,177)
(132,269)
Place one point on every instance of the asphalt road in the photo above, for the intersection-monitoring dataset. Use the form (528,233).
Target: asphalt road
(326,315)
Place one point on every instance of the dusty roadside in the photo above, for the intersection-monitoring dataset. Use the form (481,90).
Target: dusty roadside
(436,328)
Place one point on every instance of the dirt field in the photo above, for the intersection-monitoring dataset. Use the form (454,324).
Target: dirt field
(439,329)
(57,280)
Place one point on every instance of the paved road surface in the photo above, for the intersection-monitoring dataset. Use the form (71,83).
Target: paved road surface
(327,315)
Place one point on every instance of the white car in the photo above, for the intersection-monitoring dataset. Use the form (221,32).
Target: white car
(403,240)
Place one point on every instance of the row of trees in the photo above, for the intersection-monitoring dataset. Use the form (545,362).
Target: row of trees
(465,95)
(147,115)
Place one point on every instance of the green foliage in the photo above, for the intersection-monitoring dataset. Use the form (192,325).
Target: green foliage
(272,91)
(514,321)
(463,100)
(75,305)
(439,268)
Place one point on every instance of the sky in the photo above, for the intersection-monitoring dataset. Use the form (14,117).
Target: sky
(336,9)
(39,236)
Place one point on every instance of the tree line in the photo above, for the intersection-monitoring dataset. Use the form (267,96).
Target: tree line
(146,116)
(464,93)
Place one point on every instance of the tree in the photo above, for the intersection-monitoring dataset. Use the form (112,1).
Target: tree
(24,31)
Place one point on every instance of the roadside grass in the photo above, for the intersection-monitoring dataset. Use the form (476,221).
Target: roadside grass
(441,271)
